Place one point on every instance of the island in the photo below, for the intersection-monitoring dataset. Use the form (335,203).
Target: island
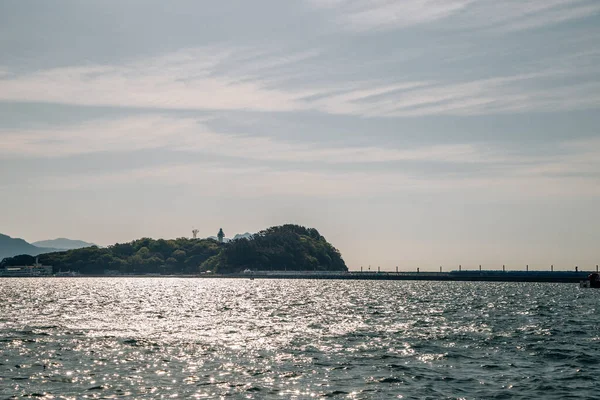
(279,248)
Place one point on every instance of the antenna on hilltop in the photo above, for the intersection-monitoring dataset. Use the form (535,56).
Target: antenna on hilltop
(195,233)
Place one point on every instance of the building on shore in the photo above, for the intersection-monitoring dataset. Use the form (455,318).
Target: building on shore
(36,269)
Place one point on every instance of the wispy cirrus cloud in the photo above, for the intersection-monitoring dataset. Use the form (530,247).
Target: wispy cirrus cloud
(516,15)
(172,134)
(511,15)
(578,158)
(192,135)
(251,182)
(255,80)
(181,80)
(379,14)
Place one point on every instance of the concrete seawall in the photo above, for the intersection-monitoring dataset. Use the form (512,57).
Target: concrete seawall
(454,276)
(475,276)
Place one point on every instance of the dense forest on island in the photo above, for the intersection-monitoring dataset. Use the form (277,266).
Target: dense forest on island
(287,247)
(142,256)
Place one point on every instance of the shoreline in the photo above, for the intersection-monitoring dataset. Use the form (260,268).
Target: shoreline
(455,276)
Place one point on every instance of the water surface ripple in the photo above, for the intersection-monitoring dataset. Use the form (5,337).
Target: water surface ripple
(70,338)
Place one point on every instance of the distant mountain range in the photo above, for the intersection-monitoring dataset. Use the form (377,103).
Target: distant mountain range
(10,247)
(63,244)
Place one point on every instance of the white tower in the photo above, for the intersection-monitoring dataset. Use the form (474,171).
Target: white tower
(195,233)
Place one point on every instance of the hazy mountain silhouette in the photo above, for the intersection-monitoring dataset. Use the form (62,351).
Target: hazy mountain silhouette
(63,243)
(10,247)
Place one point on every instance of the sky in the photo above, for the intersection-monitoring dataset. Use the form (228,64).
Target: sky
(414,133)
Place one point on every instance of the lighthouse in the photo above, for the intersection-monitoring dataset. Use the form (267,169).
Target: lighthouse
(220,235)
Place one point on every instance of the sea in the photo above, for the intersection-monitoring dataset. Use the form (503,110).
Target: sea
(187,338)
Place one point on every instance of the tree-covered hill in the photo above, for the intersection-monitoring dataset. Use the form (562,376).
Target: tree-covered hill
(287,247)
(177,256)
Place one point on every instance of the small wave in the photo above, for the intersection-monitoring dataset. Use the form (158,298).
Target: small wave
(99,387)
(140,343)
(335,393)
(390,380)
(492,366)
(400,367)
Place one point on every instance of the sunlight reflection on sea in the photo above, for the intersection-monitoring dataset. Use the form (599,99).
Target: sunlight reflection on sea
(206,338)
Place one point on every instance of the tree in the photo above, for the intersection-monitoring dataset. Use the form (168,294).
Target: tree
(290,247)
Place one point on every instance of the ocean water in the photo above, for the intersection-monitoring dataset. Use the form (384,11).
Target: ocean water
(72,338)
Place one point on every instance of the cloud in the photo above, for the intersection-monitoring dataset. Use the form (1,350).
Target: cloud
(487,165)
(193,135)
(364,15)
(517,93)
(255,166)
(518,15)
(182,80)
(243,182)
(576,158)
(508,15)
(257,182)
(255,80)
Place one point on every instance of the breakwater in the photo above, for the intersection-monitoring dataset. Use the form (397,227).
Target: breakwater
(480,276)
(457,276)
